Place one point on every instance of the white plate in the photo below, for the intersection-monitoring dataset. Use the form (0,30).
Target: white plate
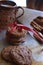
(30,41)
(26,19)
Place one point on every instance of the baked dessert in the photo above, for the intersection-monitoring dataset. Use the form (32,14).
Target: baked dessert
(15,37)
(37,24)
(21,55)
(6,53)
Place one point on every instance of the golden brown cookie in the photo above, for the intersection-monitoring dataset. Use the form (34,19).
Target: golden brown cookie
(16,36)
(37,23)
(21,55)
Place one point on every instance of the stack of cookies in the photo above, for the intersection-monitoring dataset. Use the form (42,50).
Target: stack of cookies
(37,25)
(20,55)
(16,37)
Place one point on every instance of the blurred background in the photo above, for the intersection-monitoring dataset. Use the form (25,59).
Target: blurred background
(20,2)
(35,4)
(32,4)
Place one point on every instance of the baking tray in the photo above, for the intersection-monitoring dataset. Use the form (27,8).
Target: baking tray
(30,41)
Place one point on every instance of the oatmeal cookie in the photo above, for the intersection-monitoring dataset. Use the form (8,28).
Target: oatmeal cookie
(21,55)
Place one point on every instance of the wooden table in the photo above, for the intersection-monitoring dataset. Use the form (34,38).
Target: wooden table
(35,4)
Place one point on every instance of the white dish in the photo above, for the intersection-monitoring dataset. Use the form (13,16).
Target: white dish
(30,41)
(26,19)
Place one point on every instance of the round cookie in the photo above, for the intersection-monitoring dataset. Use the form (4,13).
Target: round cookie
(16,36)
(21,55)
(15,41)
(16,33)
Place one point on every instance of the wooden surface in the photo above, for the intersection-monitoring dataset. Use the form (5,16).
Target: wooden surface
(35,4)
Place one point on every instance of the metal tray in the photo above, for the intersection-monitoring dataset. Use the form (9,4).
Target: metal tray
(30,41)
